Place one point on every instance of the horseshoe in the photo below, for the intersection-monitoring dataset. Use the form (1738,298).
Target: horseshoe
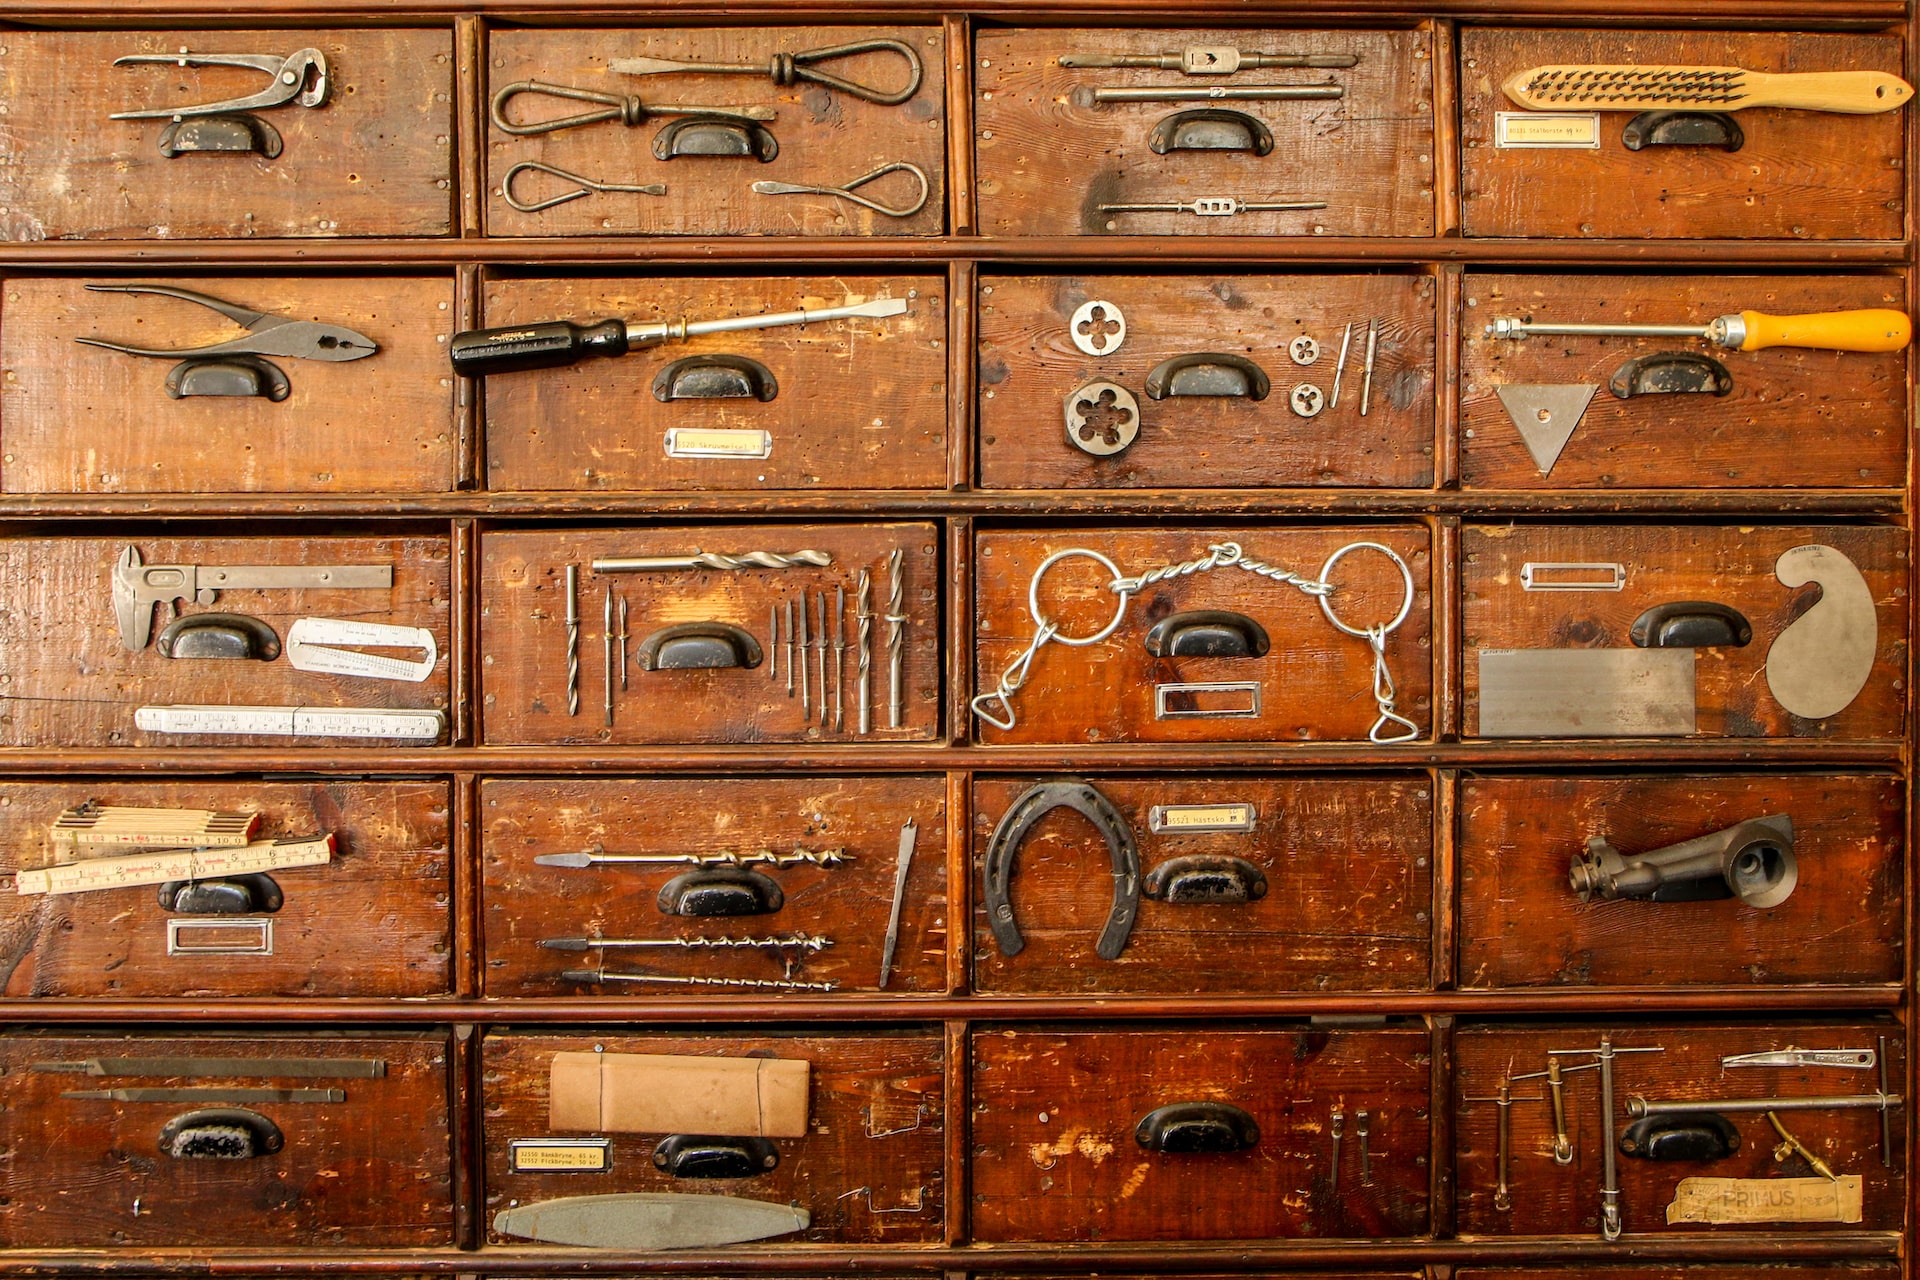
(1039,800)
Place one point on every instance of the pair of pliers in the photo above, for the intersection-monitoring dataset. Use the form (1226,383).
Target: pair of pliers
(300,76)
(268,335)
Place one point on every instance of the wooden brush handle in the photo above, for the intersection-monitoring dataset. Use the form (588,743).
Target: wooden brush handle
(1854,93)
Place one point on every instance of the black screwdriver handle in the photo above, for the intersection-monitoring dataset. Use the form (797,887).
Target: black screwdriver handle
(546,345)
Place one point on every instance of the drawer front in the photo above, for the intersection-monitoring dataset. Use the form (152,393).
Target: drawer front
(876,1116)
(1546,1198)
(1313,683)
(1329,882)
(1056,1114)
(524,635)
(1216,423)
(1792,418)
(83,420)
(1522,924)
(375,159)
(389,865)
(852,403)
(843,904)
(1798,175)
(74,682)
(1692,1271)
(1050,156)
(370,1171)
(1737,690)
(821,137)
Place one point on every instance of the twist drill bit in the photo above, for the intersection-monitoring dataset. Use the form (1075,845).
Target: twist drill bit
(807,942)
(806,698)
(573,639)
(606,644)
(788,643)
(863,624)
(896,637)
(820,649)
(712,560)
(839,658)
(724,858)
(745,984)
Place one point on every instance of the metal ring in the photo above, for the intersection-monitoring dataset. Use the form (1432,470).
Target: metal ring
(1040,619)
(1406,576)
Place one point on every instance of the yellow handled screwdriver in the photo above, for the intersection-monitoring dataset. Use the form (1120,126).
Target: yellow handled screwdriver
(1870,329)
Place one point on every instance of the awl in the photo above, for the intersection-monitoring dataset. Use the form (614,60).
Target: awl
(1870,329)
(553,343)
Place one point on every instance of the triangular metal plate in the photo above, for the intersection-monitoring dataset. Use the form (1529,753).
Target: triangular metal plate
(1545,414)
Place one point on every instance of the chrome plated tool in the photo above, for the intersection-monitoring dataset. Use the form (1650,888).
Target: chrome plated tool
(678,980)
(909,831)
(299,77)
(1869,329)
(138,586)
(1208,60)
(786,69)
(553,343)
(726,561)
(760,858)
(896,619)
(573,639)
(1848,1059)
(803,942)
(863,627)
(623,107)
(267,334)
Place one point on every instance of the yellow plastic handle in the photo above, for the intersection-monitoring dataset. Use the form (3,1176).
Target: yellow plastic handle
(1865,330)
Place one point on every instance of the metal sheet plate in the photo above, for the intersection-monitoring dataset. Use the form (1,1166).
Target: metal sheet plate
(1586,693)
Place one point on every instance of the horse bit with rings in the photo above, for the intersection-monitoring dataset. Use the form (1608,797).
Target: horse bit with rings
(996,708)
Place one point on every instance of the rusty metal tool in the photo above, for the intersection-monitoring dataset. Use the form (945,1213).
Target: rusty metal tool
(626,108)
(909,832)
(786,69)
(299,77)
(1208,60)
(138,586)
(1610,1225)
(267,334)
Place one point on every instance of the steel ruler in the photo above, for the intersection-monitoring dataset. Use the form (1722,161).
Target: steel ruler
(294,722)
(176,864)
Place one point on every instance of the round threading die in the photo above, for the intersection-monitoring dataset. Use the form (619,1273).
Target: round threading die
(1097,328)
(1102,418)
(1303,350)
(1406,577)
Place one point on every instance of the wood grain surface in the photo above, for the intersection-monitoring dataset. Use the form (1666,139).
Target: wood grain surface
(1029,366)
(1802,175)
(375,160)
(374,922)
(1047,155)
(1055,1159)
(1794,419)
(1551,1199)
(849,903)
(861,403)
(876,1111)
(524,634)
(76,419)
(1349,891)
(369,1172)
(1316,683)
(1731,566)
(827,138)
(1521,925)
(67,680)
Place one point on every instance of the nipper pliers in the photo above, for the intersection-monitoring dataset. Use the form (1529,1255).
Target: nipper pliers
(300,76)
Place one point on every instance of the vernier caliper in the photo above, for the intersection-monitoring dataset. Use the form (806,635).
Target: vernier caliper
(138,586)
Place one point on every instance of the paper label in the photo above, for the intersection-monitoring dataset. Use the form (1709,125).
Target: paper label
(560,1155)
(1201,817)
(1570,129)
(1742,1200)
(718,442)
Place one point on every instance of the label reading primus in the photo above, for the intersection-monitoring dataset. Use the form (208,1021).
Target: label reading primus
(1201,817)
(560,1155)
(1573,130)
(718,442)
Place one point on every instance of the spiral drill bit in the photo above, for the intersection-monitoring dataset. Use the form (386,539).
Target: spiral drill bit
(896,637)
(573,639)
(724,858)
(863,622)
(712,560)
(807,942)
(673,980)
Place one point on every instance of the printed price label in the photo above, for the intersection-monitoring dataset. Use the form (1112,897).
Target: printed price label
(1547,129)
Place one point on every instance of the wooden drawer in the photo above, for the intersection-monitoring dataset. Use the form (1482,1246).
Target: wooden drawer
(1340,887)
(82,420)
(524,635)
(876,1118)
(1314,683)
(389,871)
(1737,689)
(1056,1157)
(371,1171)
(848,902)
(72,681)
(1521,923)
(375,159)
(1793,419)
(1049,156)
(1201,437)
(1547,1198)
(854,403)
(1802,175)
(822,137)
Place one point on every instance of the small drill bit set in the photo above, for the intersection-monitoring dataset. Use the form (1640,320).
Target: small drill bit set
(823,642)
